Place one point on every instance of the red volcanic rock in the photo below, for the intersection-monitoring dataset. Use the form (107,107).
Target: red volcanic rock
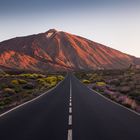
(60,51)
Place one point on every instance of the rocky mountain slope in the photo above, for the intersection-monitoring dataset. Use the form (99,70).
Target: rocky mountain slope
(59,51)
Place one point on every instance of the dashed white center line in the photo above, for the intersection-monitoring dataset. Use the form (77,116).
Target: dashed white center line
(70,115)
(70,110)
(70,134)
(70,104)
(70,119)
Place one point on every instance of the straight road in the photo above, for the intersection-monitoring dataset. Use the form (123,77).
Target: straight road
(70,112)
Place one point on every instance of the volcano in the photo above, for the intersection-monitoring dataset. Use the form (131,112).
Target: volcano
(60,51)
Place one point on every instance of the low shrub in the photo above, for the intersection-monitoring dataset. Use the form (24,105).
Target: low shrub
(9,91)
(85,81)
(100,84)
(29,86)
(17,89)
(2,103)
(7,100)
(60,77)
(27,94)
(51,79)
(52,84)
(42,81)
(15,82)
(32,76)
(21,81)
(3,85)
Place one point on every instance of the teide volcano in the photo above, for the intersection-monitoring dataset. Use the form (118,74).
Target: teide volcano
(59,51)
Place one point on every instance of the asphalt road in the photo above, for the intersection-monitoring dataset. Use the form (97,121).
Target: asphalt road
(70,112)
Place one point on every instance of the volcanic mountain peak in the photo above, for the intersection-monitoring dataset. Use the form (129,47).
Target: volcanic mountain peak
(58,50)
(50,32)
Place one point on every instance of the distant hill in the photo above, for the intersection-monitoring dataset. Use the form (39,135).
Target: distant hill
(60,51)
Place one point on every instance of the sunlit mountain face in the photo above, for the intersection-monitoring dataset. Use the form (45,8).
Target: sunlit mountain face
(59,51)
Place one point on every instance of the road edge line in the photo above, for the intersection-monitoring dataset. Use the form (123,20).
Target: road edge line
(34,99)
(115,102)
(132,111)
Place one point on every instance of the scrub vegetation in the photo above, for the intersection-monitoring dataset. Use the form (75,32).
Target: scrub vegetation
(18,88)
(122,86)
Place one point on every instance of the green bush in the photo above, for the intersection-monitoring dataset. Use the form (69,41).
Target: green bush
(60,77)
(21,81)
(51,79)
(86,81)
(42,81)
(100,84)
(17,89)
(52,84)
(29,86)
(41,76)
(15,82)
(32,76)
(27,75)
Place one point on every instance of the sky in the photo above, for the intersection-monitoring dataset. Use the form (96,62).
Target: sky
(115,23)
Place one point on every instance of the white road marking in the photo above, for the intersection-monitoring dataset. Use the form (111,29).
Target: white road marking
(32,100)
(70,89)
(70,119)
(70,116)
(116,103)
(70,134)
(70,110)
(70,104)
(112,100)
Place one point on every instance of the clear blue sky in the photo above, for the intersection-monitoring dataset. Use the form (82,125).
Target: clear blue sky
(115,23)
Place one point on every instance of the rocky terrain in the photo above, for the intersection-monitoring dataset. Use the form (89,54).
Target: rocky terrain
(60,51)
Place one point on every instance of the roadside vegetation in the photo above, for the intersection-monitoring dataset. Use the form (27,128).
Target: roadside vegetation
(122,86)
(18,88)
